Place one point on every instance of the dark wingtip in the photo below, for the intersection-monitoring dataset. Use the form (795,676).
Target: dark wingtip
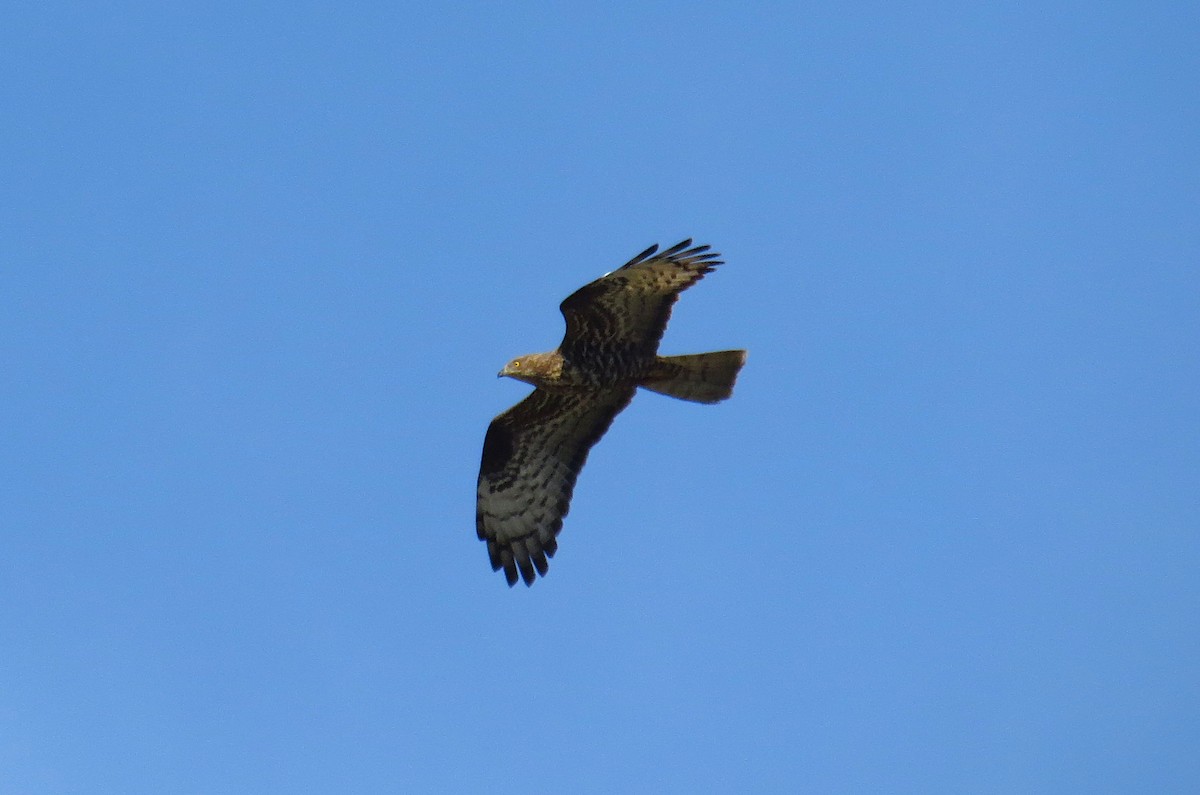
(698,255)
(680,246)
(683,250)
(522,561)
(641,256)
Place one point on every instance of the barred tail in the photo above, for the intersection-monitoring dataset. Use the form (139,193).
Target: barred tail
(700,377)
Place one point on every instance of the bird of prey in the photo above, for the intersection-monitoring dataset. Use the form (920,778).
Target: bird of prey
(533,452)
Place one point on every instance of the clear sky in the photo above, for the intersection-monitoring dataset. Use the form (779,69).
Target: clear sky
(260,263)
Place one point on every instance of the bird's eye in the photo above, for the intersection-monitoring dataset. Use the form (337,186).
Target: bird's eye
(516,364)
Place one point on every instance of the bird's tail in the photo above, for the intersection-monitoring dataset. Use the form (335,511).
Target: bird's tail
(700,377)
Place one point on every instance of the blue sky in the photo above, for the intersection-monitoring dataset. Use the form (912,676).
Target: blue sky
(260,264)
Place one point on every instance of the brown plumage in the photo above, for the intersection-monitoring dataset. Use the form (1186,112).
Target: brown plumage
(533,452)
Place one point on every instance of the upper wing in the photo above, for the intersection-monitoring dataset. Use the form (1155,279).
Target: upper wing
(624,313)
(531,456)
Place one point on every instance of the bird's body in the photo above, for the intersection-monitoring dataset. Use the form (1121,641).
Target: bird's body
(533,452)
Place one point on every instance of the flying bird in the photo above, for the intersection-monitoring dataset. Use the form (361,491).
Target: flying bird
(533,452)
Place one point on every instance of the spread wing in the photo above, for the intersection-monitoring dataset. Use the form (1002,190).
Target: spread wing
(531,456)
(624,313)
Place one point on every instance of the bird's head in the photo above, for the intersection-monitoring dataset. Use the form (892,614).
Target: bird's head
(532,368)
